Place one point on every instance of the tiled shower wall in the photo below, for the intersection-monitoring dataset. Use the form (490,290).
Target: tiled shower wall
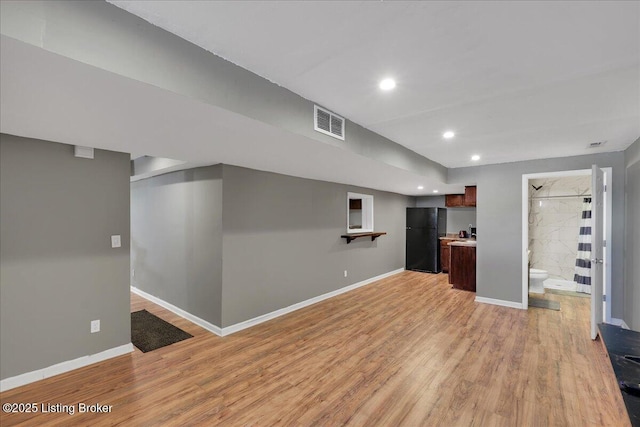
(554,223)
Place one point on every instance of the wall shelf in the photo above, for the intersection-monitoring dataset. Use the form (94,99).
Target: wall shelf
(353,236)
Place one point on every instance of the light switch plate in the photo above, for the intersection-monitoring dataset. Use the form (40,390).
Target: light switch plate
(115,241)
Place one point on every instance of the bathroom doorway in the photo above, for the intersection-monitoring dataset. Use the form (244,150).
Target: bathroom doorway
(552,206)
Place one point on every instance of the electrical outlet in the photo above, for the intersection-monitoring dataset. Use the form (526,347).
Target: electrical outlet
(95,326)
(345,273)
(115,241)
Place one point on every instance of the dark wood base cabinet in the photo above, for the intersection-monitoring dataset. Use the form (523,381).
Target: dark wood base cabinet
(445,254)
(462,270)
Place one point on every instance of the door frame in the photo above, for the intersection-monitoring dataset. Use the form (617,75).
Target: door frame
(608,180)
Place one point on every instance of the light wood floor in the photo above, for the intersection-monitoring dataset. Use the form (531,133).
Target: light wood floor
(407,350)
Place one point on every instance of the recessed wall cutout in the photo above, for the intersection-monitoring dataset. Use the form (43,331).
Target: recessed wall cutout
(359,213)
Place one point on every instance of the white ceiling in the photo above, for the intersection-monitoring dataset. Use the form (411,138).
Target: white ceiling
(514,80)
(51,97)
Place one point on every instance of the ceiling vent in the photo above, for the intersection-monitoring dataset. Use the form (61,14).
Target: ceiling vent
(326,122)
(596,144)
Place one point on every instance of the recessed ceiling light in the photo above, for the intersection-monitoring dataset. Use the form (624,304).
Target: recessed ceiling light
(435,191)
(475,157)
(420,187)
(448,134)
(387,84)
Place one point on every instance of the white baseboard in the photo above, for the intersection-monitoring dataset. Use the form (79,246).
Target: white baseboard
(61,368)
(500,302)
(619,322)
(260,319)
(265,317)
(180,312)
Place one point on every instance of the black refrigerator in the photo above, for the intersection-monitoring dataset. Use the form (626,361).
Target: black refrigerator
(424,227)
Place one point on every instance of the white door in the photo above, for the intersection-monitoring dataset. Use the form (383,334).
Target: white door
(597,247)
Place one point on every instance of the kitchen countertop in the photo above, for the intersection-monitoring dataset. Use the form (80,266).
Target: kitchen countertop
(468,242)
(458,239)
(620,342)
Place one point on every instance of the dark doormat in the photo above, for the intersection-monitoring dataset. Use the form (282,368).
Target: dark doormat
(544,303)
(149,332)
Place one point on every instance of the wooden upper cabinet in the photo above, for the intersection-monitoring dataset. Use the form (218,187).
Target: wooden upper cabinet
(468,199)
(454,200)
(470,196)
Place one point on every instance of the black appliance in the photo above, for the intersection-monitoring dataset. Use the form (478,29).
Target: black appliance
(424,227)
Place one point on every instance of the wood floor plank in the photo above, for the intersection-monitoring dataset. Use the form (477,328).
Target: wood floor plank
(405,351)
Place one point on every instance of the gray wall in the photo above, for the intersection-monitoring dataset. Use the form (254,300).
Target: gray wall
(430,202)
(74,29)
(282,241)
(499,217)
(632,251)
(460,218)
(58,270)
(228,244)
(457,218)
(176,239)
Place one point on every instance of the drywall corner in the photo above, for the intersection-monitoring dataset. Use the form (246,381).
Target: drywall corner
(632,237)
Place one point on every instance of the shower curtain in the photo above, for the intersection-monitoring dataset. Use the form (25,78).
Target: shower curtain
(582,274)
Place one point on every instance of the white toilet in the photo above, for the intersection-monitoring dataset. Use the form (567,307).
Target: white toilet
(536,280)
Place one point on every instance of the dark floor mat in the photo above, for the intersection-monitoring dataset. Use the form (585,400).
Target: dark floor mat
(149,332)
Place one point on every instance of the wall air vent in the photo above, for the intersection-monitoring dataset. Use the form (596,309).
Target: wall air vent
(326,122)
